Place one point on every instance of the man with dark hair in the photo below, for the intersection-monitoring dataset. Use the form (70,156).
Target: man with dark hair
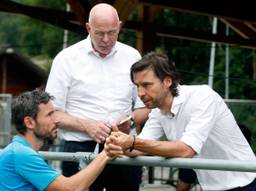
(21,167)
(194,119)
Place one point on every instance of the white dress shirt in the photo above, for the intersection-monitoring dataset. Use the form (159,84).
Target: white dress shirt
(203,121)
(89,86)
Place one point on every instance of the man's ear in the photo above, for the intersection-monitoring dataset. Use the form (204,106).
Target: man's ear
(120,25)
(88,28)
(29,122)
(168,81)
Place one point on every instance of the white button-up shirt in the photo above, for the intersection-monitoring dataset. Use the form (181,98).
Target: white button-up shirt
(89,86)
(202,120)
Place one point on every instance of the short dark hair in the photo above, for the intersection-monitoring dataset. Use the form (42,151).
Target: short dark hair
(161,65)
(26,104)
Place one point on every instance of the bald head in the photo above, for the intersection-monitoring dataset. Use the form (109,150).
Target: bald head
(103,27)
(103,12)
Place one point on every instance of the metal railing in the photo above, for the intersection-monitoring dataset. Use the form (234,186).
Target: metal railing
(5,118)
(195,163)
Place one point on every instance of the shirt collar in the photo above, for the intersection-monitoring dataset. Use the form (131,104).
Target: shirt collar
(20,139)
(177,101)
(90,49)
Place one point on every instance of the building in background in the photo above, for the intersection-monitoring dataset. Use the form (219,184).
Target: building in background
(17,74)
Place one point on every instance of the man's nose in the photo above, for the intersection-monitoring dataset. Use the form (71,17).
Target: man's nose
(54,119)
(105,37)
(141,92)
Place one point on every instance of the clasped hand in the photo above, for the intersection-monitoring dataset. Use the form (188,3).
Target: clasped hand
(117,143)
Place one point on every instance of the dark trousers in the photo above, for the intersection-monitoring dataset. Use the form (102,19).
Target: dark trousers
(113,177)
(187,175)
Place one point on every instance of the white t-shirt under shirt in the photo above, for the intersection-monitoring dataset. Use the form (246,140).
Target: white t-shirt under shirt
(203,121)
(89,86)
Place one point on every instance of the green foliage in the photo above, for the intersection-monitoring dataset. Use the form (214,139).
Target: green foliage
(57,4)
(128,37)
(33,37)
(192,61)
(9,33)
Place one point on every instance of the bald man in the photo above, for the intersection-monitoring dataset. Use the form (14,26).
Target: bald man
(92,88)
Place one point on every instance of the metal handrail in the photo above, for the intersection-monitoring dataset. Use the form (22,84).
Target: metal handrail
(195,163)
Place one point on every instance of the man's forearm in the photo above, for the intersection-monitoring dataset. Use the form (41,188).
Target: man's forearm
(164,148)
(69,122)
(91,172)
(134,153)
(140,115)
(83,179)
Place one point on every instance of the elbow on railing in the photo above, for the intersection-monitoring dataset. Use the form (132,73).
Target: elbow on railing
(188,153)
